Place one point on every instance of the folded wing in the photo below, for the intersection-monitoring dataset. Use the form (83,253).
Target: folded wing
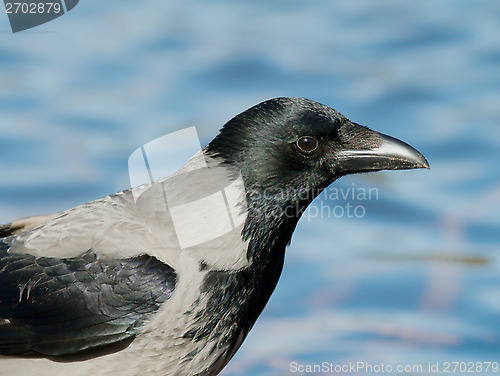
(57,306)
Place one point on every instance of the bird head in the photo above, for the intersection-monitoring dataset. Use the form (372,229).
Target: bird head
(294,148)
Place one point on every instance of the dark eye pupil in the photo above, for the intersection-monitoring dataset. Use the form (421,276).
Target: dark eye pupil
(307,144)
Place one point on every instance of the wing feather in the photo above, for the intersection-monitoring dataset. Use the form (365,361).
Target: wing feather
(56,306)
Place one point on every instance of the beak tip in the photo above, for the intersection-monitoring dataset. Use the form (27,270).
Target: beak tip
(410,156)
(422,163)
(425,164)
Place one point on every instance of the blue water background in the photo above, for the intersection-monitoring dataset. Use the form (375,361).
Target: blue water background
(416,278)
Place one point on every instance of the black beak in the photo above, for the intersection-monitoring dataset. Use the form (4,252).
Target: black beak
(389,154)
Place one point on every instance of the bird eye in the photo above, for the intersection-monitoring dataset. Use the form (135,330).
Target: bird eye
(307,144)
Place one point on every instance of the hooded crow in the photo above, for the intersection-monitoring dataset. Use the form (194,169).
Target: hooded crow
(168,278)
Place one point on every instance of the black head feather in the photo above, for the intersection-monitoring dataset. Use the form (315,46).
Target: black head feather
(262,143)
